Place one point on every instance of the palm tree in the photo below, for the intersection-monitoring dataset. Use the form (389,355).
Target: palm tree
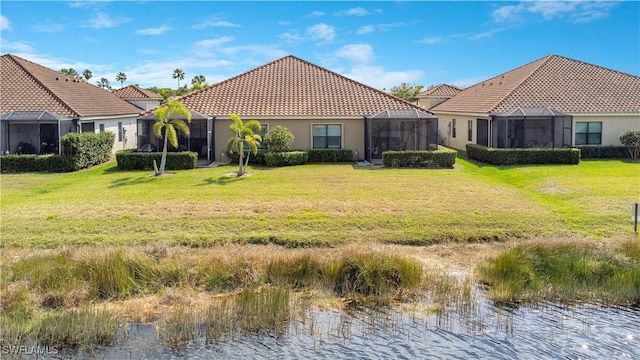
(103,83)
(122,77)
(198,79)
(178,74)
(87,74)
(70,71)
(171,118)
(243,134)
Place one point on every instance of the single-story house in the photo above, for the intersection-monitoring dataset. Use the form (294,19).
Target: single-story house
(39,105)
(436,94)
(142,98)
(552,102)
(323,109)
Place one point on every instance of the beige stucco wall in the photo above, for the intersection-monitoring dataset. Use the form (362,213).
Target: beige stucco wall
(460,141)
(111,125)
(612,125)
(352,133)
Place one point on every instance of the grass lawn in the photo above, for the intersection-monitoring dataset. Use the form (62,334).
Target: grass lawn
(318,205)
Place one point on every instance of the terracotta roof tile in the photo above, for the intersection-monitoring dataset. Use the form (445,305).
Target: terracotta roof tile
(440,90)
(291,87)
(553,81)
(31,87)
(136,92)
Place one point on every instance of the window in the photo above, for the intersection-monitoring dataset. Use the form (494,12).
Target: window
(589,133)
(470,131)
(101,128)
(264,129)
(87,127)
(453,128)
(327,136)
(119,131)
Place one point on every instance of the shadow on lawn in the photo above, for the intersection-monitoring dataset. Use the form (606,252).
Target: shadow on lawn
(222,180)
(132,181)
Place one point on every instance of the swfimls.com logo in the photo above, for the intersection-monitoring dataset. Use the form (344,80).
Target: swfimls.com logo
(27,350)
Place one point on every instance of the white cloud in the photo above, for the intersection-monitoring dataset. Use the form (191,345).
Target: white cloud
(153,31)
(488,33)
(103,20)
(357,53)
(5,24)
(377,77)
(432,40)
(317,14)
(213,42)
(214,23)
(367,29)
(321,32)
(573,11)
(15,47)
(357,11)
(48,27)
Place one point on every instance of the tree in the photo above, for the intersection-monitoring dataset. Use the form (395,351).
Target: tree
(122,77)
(198,79)
(406,91)
(71,72)
(243,134)
(279,139)
(631,139)
(87,74)
(171,118)
(178,74)
(104,83)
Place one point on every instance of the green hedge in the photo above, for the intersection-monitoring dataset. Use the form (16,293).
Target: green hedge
(442,158)
(523,156)
(131,160)
(34,163)
(85,150)
(330,155)
(603,152)
(286,158)
(254,159)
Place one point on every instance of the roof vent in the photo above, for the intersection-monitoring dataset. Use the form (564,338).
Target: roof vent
(67,79)
(57,78)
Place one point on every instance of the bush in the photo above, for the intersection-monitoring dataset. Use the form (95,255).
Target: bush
(131,160)
(603,152)
(279,139)
(85,150)
(523,156)
(254,159)
(443,158)
(330,155)
(286,158)
(631,139)
(34,163)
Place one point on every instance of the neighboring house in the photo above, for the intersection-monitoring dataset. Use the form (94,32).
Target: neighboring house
(436,94)
(39,105)
(552,102)
(142,98)
(323,109)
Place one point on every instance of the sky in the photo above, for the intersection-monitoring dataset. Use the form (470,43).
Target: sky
(379,43)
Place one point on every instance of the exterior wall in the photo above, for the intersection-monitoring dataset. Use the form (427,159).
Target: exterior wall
(145,104)
(130,136)
(445,129)
(352,133)
(612,125)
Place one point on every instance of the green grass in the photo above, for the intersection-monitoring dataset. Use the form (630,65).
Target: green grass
(565,272)
(317,205)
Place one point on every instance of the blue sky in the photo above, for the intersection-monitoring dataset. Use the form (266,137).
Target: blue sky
(379,43)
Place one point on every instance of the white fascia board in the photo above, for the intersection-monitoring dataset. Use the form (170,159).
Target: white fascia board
(484,115)
(111,117)
(295,117)
(604,114)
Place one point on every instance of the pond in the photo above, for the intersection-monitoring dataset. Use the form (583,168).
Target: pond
(547,330)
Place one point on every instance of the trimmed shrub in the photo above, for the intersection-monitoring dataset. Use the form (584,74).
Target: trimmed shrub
(286,158)
(34,163)
(603,152)
(521,156)
(278,139)
(254,159)
(330,155)
(442,158)
(131,160)
(85,150)
(631,139)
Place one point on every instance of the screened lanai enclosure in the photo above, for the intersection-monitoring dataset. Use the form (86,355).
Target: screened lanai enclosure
(34,132)
(399,130)
(539,127)
(200,139)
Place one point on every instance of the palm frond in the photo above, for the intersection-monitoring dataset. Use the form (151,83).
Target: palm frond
(157,128)
(181,126)
(172,135)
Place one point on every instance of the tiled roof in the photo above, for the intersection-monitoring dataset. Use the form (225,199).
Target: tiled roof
(291,87)
(27,86)
(440,90)
(553,81)
(136,92)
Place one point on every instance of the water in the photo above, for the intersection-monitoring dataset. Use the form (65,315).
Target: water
(484,331)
